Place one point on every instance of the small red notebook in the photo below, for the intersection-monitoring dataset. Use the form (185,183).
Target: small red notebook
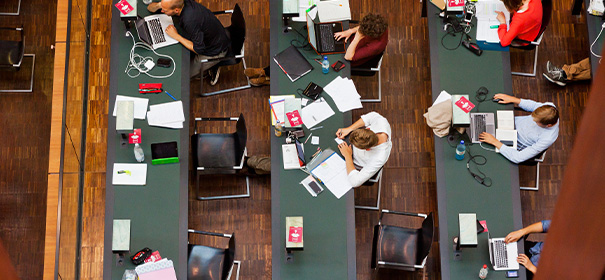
(295,235)
(124,7)
(135,138)
(464,104)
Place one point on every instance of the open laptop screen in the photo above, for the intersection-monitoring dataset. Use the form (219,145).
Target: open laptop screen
(311,29)
(301,153)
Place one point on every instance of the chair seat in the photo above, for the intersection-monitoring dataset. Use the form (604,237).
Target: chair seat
(397,245)
(10,53)
(216,150)
(205,263)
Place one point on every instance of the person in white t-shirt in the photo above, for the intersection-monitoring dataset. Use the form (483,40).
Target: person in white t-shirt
(371,140)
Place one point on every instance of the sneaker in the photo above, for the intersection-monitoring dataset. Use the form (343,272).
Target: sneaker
(214,75)
(554,74)
(254,72)
(260,81)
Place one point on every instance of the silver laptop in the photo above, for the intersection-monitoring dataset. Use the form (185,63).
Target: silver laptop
(481,122)
(502,256)
(152,30)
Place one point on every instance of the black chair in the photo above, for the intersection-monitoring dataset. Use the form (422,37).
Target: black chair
(368,69)
(535,161)
(402,248)
(533,45)
(370,182)
(216,153)
(235,54)
(210,263)
(12,52)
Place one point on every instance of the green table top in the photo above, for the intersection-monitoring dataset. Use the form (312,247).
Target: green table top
(461,72)
(329,223)
(158,210)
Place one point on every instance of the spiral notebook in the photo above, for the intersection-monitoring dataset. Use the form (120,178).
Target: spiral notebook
(293,63)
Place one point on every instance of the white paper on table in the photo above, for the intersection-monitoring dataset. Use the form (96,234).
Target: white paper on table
(137,176)
(169,112)
(334,10)
(277,104)
(303,5)
(333,174)
(506,135)
(316,112)
(506,119)
(315,140)
(290,156)
(338,140)
(344,94)
(156,119)
(140,106)
(485,11)
(443,96)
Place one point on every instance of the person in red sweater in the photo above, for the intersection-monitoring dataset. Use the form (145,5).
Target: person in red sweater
(370,39)
(525,23)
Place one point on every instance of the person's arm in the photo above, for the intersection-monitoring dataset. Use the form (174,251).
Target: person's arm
(525,261)
(154,7)
(345,34)
(353,47)
(347,152)
(506,37)
(172,32)
(505,99)
(516,235)
(343,132)
(530,105)
(520,156)
(357,178)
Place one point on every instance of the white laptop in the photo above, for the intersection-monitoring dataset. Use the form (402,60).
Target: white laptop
(481,122)
(152,30)
(502,256)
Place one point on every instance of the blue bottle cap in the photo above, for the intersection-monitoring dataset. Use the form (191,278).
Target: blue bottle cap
(462,142)
(325,57)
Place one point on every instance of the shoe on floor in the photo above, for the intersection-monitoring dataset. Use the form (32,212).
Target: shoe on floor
(214,73)
(254,72)
(260,81)
(554,74)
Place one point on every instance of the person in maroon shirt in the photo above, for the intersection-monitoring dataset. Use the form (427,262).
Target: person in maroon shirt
(525,23)
(370,39)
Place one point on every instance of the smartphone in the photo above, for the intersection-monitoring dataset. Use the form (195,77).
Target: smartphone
(468,16)
(512,274)
(315,187)
(338,66)
(164,62)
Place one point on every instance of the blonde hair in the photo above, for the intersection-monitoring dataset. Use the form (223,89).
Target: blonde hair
(546,115)
(363,138)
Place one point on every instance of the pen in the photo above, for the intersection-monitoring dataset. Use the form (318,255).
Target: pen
(493,26)
(318,61)
(170,95)
(315,128)
(308,138)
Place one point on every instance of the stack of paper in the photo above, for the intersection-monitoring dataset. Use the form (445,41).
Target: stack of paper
(168,115)
(506,132)
(316,112)
(486,18)
(277,108)
(160,270)
(140,106)
(343,92)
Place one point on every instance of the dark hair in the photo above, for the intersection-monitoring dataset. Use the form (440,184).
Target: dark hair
(373,25)
(512,5)
(546,115)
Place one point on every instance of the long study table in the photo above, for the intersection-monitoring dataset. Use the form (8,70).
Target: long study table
(158,210)
(462,72)
(329,223)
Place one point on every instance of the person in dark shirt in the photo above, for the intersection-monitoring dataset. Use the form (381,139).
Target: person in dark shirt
(204,33)
(370,39)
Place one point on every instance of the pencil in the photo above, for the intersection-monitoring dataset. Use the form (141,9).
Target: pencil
(170,95)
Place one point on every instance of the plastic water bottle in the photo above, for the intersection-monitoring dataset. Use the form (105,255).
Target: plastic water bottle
(279,128)
(138,153)
(460,150)
(483,272)
(325,65)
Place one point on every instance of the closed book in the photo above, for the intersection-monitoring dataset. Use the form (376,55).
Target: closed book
(293,63)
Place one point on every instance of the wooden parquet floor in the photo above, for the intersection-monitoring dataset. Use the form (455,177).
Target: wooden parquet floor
(408,181)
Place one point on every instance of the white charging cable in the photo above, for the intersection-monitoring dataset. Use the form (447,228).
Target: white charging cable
(595,40)
(144,64)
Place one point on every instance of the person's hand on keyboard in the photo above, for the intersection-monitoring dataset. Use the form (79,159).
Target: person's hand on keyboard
(514,236)
(505,99)
(344,34)
(524,260)
(172,32)
(490,139)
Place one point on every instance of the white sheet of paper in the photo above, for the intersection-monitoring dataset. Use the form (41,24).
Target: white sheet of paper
(443,96)
(140,106)
(316,112)
(304,101)
(508,135)
(335,10)
(315,140)
(137,176)
(307,181)
(486,17)
(290,156)
(156,119)
(333,173)
(344,94)
(168,112)
(338,140)
(506,119)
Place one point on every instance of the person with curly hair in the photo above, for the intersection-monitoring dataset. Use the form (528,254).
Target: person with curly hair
(370,39)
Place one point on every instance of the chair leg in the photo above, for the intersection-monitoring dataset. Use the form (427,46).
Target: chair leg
(239,264)
(537,187)
(379,91)
(31,81)
(231,89)
(247,194)
(377,207)
(532,74)
(13,13)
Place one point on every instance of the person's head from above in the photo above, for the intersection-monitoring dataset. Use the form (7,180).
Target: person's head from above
(513,5)
(363,138)
(545,116)
(373,25)
(172,7)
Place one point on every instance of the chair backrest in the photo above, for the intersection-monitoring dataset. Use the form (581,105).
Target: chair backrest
(229,257)
(546,16)
(241,137)
(237,30)
(12,52)
(425,239)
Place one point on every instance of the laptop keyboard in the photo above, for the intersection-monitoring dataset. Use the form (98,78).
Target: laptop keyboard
(479,126)
(327,38)
(156,31)
(500,254)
